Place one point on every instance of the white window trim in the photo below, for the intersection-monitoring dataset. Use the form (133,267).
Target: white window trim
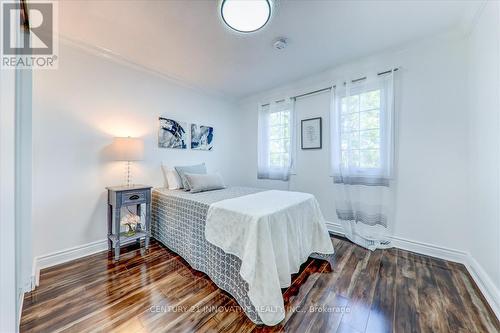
(265,170)
(376,175)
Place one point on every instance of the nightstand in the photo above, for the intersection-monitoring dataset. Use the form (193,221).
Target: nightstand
(123,196)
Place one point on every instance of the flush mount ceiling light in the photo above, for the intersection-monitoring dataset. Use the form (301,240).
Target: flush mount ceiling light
(246,16)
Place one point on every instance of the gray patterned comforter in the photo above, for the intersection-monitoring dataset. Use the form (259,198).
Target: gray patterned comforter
(178,221)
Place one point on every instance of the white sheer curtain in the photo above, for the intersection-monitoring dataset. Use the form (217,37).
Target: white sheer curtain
(362,158)
(276,140)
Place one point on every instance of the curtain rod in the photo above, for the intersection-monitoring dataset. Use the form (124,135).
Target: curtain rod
(329,88)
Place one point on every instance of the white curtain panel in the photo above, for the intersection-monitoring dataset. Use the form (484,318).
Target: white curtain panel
(362,158)
(276,141)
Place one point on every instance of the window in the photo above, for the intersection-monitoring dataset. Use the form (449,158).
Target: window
(279,139)
(276,140)
(362,132)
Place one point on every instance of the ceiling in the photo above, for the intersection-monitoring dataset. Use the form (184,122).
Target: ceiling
(186,40)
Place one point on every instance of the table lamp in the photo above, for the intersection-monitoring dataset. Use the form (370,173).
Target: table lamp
(128,149)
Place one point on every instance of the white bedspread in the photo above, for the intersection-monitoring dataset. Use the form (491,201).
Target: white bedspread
(273,233)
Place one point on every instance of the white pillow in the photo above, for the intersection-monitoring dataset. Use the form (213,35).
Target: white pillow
(172,179)
(204,182)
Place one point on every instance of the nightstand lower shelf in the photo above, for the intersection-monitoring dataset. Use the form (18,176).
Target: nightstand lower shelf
(125,239)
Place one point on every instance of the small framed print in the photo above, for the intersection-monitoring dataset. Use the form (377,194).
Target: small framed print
(310,134)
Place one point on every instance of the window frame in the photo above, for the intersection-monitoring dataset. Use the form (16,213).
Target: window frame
(281,139)
(266,170)
(384,169)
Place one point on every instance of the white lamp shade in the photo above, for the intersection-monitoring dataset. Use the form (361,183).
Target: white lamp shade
(128,149)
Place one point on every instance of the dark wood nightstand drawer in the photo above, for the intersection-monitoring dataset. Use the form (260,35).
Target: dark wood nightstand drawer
(133,197)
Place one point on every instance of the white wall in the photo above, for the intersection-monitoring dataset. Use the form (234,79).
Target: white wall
(77,110)
(15,190)
(314,179)
(448,170)
(8,284)
(432,118)
(23,180)
(484,142)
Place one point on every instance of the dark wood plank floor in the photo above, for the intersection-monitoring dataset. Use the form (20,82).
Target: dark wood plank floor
(356,291)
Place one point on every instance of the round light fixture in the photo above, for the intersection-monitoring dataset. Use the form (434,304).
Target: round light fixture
(246,15)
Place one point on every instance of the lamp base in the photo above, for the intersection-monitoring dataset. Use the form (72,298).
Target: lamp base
(128,173)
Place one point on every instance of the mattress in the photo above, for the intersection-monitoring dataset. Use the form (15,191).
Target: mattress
(178,221)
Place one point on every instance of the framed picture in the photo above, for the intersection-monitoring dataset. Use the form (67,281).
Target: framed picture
(172,134)
(310,133)
(202,137)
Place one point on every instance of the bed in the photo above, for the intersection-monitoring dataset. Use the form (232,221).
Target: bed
(185,222)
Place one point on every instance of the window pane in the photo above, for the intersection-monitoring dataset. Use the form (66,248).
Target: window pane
(353,103)
(344,142)
(370,100)
(350,122)
(274,118)
(360,137)
(353,140)
(369,120)
(275,159)
(369,139)
(354,159)
(370,158)
(275,146)
(276,132)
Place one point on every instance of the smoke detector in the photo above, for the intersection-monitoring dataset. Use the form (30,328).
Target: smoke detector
(280,43)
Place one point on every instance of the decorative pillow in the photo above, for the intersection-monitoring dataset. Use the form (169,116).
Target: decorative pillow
(197,169)
(172,179)
(204,182)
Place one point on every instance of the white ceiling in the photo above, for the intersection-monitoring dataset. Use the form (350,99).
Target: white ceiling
(185,40)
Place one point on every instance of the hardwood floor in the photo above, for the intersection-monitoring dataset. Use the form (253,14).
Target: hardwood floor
(357,291)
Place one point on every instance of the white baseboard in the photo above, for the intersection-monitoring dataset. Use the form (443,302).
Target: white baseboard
(63,256)
(21,303)
(484,282)
(414,246)
(482,279)
(335,228)
(35,273)
(430,250)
